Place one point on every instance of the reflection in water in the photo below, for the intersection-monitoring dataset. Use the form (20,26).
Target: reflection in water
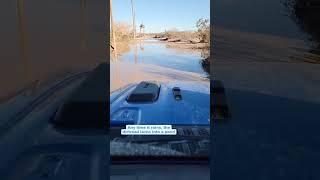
(205,53)
(141,44)
(205,61)
(135,53)
(141,49)
(156,53)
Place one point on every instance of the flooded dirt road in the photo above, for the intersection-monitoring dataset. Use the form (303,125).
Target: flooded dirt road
(151,59)
(42,41)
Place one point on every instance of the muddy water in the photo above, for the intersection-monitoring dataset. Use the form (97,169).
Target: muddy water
(150,59)
(42,41)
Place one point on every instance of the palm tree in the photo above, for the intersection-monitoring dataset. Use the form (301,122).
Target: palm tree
(141,28)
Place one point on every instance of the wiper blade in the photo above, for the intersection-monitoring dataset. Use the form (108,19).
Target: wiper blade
(136,159)
(148,139)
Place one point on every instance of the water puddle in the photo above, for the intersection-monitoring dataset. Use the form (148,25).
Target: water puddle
(151,59)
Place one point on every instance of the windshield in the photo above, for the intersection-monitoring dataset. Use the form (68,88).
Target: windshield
(160,88)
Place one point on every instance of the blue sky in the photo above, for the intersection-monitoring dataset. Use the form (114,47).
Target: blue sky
(160,15)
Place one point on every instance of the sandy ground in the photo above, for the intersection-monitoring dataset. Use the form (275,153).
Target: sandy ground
(186,45)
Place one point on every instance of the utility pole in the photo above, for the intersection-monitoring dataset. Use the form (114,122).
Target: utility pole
(133,20)
(113,33)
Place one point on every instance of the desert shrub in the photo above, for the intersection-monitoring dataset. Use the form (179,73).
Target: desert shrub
(203,32)
(175,34)
(123,31)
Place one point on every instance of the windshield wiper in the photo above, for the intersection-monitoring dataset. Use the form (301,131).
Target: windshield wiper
(156,139)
